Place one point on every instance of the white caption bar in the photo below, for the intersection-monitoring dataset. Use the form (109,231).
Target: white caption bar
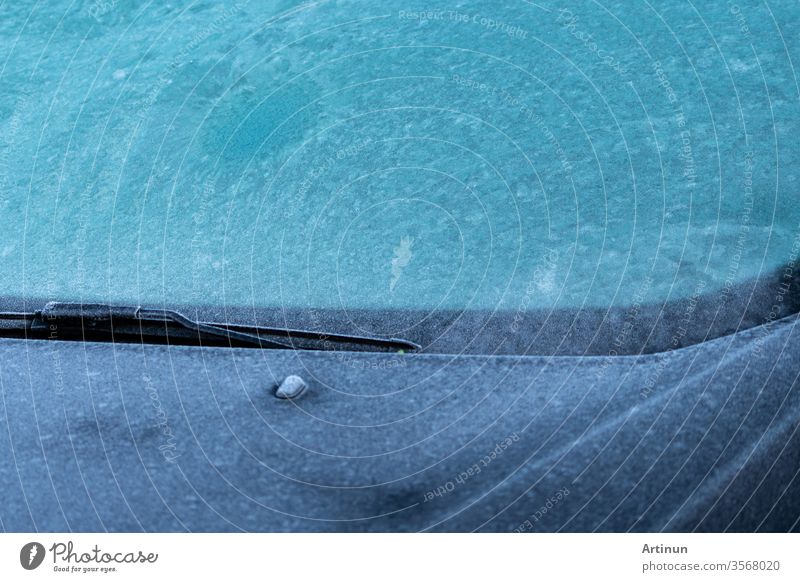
(354,557)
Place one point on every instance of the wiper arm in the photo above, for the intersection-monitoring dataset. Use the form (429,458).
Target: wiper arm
(94,321)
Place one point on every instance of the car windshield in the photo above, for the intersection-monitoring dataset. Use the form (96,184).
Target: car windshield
(391,157)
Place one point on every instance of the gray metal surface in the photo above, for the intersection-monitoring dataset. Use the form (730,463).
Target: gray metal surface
(156,438)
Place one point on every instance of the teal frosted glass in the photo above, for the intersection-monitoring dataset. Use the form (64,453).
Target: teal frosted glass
(417,155)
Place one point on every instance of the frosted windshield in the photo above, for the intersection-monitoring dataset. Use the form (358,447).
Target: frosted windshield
(373,155)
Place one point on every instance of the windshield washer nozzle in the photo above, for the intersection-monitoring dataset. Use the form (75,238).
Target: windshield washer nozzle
(291,387)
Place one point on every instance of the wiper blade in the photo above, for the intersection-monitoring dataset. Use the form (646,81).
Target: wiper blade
(58,320)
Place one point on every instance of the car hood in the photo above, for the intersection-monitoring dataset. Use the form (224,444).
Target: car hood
(129,437)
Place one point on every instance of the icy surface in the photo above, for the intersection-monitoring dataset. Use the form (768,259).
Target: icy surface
(364,155)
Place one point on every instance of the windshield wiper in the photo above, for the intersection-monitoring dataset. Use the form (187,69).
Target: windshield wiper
(101,322)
